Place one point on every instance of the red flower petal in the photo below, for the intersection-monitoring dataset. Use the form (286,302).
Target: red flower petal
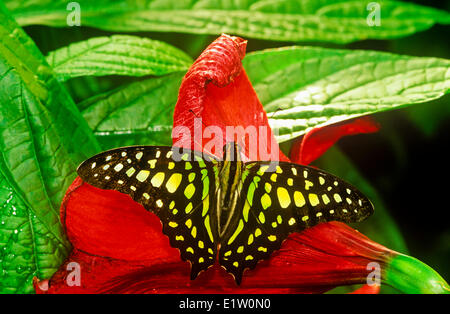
(317,141)
(104,275)
(109,223)
(217,90)
(366,289)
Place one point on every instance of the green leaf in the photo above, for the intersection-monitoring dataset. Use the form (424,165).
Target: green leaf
(43,137)
(138,114)
(409,275)
(83,87)
(117,55)
(339,21)
(306,87)
(27,247)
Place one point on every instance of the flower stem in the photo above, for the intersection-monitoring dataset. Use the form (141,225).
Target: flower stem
(409,275)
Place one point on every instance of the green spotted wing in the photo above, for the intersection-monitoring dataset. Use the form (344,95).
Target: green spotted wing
(178,186)
(278,200)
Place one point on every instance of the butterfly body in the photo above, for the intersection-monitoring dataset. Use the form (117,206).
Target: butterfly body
(228,188)
(226,209)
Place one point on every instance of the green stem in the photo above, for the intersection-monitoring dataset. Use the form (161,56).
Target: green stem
(409,275)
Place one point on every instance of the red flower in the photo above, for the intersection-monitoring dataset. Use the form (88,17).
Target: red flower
(119,246)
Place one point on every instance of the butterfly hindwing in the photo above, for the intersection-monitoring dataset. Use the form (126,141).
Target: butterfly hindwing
(278,199)
(181,192)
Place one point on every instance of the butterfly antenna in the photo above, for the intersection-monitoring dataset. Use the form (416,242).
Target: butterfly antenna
(195,115)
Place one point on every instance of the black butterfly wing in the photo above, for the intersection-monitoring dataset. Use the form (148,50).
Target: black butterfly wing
(278,200)
(178,186)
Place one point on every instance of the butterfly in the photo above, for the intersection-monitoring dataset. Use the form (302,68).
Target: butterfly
(226,209)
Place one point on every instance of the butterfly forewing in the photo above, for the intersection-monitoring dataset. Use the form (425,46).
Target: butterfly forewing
(178,187)
(276,200)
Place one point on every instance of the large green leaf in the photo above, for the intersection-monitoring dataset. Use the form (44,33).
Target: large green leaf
(306,87)
(338,21)
(138,114)
(42,139)
(117,55)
